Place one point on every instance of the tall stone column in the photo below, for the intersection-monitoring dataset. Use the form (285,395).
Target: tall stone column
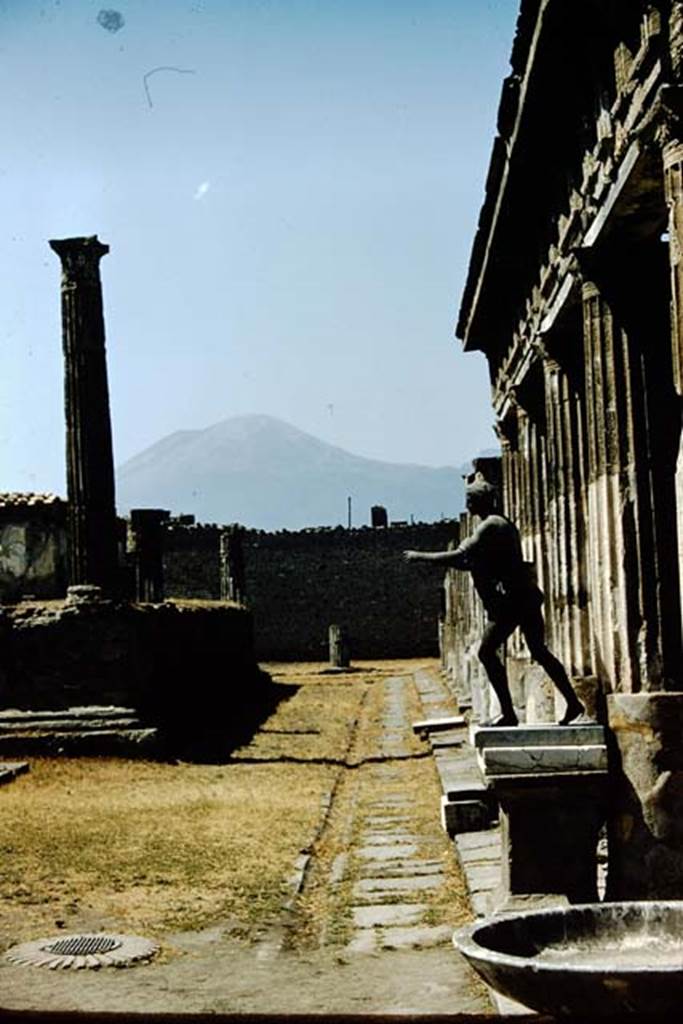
(604,500)
(673,185)
(89,458)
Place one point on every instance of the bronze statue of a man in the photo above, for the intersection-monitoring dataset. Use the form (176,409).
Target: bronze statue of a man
(507,587)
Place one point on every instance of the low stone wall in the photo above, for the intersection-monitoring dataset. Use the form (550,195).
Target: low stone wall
(188,668)
(299,583)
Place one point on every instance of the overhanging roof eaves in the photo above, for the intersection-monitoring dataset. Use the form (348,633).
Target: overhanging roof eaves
(529,22)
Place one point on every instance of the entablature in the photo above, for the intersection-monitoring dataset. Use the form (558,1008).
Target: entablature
(622,130)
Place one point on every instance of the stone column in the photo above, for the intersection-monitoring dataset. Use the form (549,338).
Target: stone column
(232,574)
(646,809)
(566,518)
(147,527)
(673,185)
(339,648)
(604,502)
(89,459)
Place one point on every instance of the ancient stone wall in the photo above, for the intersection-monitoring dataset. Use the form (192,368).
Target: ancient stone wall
(187,668)
(33,547)
(299,583)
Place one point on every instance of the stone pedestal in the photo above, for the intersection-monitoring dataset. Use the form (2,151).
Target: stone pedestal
(550,782)
(645,827)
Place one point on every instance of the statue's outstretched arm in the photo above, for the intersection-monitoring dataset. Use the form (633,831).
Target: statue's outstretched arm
(454,559)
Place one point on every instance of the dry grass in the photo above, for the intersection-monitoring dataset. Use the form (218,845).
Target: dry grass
(145,847)
(149,847)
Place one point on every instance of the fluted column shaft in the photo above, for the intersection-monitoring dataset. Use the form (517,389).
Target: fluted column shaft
(89,457)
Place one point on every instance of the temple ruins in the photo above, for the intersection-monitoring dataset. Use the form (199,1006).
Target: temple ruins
(575,296)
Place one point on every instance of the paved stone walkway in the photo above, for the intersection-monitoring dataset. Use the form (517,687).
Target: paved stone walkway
(394,866)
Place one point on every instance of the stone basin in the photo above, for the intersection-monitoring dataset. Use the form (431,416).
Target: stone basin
(601,958)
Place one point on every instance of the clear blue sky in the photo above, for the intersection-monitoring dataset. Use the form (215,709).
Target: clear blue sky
(289,223)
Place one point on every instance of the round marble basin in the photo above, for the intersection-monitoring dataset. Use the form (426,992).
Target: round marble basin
(600,958)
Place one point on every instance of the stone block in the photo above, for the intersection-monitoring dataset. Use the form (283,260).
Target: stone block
(538,736)
(9,770)
(544,760)
(436,724)
(464,816)
(444,740)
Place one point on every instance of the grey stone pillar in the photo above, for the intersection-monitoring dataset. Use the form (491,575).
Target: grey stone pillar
(147,527)
(233,583)
(89,460)
(339,648)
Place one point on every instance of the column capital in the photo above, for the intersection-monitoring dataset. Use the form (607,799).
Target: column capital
(80,257)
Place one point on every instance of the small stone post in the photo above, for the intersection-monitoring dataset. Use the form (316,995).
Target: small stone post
(147,527)
(91,518)
(339,648)
(232,574)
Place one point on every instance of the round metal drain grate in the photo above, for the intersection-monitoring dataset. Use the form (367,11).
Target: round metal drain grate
(82,945)
(79,951)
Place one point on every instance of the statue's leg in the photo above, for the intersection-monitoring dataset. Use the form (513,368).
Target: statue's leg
(495,635)
(533,630)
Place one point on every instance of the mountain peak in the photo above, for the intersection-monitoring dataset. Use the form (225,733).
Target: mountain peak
(266,473)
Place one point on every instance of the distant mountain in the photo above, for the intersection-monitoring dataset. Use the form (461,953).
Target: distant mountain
(267,474)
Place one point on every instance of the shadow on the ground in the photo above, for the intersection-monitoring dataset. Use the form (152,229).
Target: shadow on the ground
(209,735)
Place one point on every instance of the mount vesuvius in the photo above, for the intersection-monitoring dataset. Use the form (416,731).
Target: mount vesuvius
(267,474)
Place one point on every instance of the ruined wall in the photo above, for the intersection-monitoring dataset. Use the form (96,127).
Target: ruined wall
(188,669)
(299,583)
(33,546)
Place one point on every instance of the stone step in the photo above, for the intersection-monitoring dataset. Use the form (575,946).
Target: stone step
(85,743)
(105,711)
(9,770)
(543,735)
(544,760)
(65,724)
(427,725)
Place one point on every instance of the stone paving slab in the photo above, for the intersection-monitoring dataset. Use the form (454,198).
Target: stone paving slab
(388,838)
(388,914)
(403,869)
(388,851)
(387,820)
(418,937)
(372,886)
